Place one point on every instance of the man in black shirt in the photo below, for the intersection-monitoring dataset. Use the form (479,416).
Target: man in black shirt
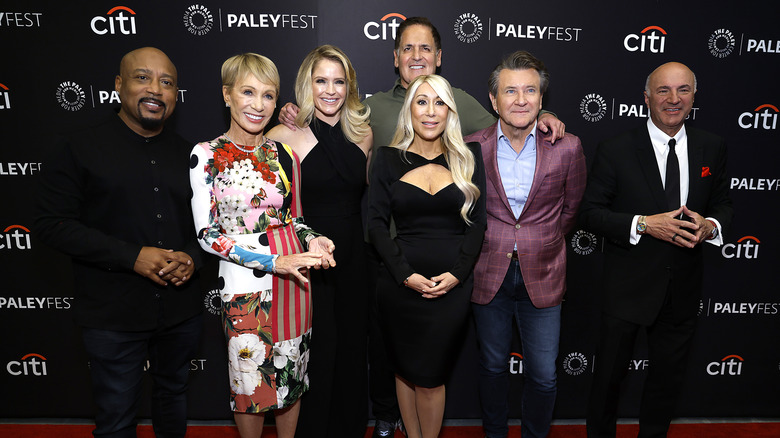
(116,199)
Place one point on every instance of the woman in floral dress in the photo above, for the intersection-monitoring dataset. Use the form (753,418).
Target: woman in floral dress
(246,206)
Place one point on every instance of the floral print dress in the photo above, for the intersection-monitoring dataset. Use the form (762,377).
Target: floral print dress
(247,210)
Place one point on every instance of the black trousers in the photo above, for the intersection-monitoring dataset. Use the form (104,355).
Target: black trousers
(668,347)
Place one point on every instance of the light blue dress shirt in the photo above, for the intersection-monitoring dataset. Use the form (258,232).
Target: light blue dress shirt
(516,170)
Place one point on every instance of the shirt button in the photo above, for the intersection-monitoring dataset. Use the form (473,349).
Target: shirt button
(159,216)
(156,189)
(157,295)
(154,162)
(159,242)
(509,255)
(518,226)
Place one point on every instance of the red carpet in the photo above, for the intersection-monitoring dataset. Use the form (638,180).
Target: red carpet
(698,430)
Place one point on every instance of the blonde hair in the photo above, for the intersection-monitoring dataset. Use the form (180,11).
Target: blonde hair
(238,67)
(354,115)
(459,157)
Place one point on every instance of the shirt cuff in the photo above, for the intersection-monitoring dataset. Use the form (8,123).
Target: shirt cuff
(634,236)
(717,241)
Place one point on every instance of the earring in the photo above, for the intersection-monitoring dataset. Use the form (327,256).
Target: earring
(227,105)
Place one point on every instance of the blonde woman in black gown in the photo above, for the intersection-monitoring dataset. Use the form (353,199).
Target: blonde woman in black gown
(430,183)
(333,141)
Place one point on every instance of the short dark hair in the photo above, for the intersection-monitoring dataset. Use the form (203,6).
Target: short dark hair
(422,21)
(520,60)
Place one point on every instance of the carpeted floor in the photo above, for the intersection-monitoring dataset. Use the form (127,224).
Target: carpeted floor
(687,430)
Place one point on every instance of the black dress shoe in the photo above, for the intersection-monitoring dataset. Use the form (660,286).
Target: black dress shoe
(383,429)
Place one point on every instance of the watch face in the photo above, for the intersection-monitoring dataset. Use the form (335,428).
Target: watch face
(641,226)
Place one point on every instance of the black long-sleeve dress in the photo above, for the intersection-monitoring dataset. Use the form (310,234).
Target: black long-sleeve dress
(423,335)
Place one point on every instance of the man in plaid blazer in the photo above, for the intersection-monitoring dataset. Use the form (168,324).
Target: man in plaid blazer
(533,193)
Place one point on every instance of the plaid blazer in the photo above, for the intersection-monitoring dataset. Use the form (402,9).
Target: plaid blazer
(550,212)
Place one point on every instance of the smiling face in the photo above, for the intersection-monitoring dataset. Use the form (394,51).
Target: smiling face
(669,96)
(429,114)
(147,88)
(329,90)
(518,99)
(417,54)
(252,104)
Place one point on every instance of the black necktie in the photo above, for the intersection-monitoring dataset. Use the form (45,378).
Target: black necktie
(672,187)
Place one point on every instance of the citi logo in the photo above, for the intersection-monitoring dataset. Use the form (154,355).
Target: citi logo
(516,363)
(30,364)
(652,38)
(5,98)
(15,237)
(730,365)
(123,22)
(385,28)
(758,119)
(745,248)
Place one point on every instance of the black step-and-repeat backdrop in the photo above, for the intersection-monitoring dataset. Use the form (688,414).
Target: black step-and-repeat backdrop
(57,73)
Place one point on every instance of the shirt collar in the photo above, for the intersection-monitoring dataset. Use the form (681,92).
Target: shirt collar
(660,138)
(529,140)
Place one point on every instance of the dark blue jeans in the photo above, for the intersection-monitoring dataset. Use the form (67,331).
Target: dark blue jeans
(539,332)
(116,362)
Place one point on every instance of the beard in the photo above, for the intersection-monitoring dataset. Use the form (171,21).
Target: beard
(155,121)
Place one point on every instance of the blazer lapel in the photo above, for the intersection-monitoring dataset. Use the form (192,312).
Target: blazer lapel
(491,166)
(542,168)
(695,165)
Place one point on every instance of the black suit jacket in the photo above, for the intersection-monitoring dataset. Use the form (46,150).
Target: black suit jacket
(624,181)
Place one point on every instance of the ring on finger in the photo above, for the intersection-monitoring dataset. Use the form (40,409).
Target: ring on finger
(674,237)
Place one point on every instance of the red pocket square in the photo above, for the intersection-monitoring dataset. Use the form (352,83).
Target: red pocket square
(705,171)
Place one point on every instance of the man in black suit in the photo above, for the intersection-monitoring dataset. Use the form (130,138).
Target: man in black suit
(654,208)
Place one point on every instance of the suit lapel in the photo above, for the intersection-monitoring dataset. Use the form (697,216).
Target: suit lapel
(649,166)
(491,166)
(695,165)
(543,156)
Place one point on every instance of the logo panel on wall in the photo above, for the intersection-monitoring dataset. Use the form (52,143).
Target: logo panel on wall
(71,96)
(584,243)
(745,248)
(32,364)
(651,39)
(763,117)
(730,365)
(35,303)
(515,363)
(575,363)
(468,28)
(759,184)
(198,20)
(385,28)
(742,308)
(536,32)
(212,302)
(20,19)
(15,237)
(593,107)
(721,43)
(19,169)
(5,98)
(262,20)
(119,20)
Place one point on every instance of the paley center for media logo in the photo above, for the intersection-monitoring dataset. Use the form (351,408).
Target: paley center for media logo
(118,20)
(468,28)
(745,248)
(198,20)
(575,363)
(31,364)
(584,243)
(594,107)
(730,365)
(72,96)
(385,28)
(722,43)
